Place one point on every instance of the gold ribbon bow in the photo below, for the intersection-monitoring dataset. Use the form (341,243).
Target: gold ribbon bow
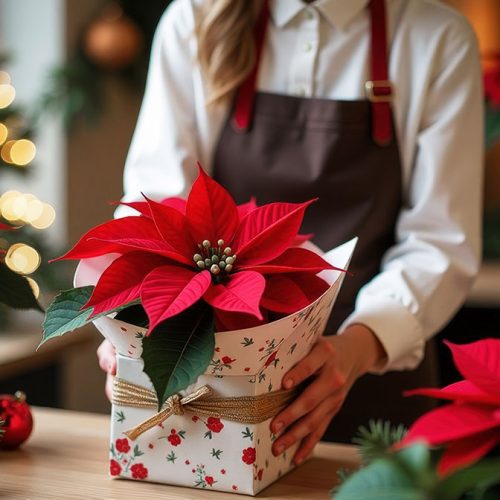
(243,409)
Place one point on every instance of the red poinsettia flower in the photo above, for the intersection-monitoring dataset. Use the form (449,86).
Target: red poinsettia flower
(240,260)
(470,426)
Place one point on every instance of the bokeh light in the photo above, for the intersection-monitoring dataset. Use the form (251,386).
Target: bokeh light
(33,211)
(4,77)
(4,133)
(22,258)
(7,95)
(46,219)
(5,154)
(22,152)
(34,286)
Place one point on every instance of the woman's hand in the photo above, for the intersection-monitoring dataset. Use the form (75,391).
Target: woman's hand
(107,361)
(336,362)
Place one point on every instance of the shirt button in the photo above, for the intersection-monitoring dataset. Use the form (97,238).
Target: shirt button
(308,46)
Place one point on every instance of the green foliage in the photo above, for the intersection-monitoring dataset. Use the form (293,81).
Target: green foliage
(410,473)
(492,124)
(15,291)
(376,439)
(65,313)
(179,350)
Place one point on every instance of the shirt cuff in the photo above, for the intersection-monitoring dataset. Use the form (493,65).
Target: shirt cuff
(395,327)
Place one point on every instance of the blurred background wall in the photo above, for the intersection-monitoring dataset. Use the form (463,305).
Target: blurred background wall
(78,68)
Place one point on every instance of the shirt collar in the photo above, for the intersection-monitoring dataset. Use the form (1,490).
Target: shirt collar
(337,12)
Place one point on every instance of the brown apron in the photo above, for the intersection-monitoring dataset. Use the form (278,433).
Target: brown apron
(294,149)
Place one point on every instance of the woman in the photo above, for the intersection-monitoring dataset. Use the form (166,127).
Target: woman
(302,107)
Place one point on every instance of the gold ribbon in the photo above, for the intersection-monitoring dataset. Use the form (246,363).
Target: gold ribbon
(243,409)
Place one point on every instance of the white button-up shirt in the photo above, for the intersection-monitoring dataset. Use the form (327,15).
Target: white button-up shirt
(321,50)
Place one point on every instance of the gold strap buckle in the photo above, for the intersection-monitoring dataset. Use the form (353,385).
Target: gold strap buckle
(379,90)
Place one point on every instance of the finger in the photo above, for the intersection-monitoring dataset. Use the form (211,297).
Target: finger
(320,353)
(108,388)
(309,442)
(107,357)
(327,383)
(310,423)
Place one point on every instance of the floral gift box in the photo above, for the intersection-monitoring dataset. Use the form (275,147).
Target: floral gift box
(203,451)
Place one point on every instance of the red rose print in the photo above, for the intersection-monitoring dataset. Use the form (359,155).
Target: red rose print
(114,468)
(259,474)
(139,471)
(248,456)
(234,487)
(194,418)
(223,471)
(122,445)
(227,360)
(214,424)
(187,462)
(209,480)
(151,446)
(174,438)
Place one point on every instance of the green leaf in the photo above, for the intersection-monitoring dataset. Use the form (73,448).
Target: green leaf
(179,350)
(481,475)
(65,313)
(15,291)
(382,479)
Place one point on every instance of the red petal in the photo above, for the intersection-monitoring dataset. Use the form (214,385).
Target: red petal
(121,282)
(266,232)
(283,295)
(102,239)
(467,451)
(6,227)
(294,260)
(228,321)
(169,290)
(241,293)
(246,208)
(452,422)
(301,238)
(141,206)
(311,285)
(479,362)
(158,247)
(464,391)
(175,202)
(211,212)
(172,227)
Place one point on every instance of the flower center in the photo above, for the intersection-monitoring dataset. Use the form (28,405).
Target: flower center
(219,259)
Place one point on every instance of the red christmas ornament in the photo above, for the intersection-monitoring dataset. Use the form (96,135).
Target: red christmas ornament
(18,422)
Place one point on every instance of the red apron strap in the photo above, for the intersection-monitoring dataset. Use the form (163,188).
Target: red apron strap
(242,115)
(379,88)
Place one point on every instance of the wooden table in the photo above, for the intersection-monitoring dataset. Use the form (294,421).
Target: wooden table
(67,458)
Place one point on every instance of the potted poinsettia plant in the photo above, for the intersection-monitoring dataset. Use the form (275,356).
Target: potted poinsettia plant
(15,291)
(201,298)
(448,452)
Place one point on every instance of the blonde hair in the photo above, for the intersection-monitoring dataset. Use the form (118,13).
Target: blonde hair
(226,47)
